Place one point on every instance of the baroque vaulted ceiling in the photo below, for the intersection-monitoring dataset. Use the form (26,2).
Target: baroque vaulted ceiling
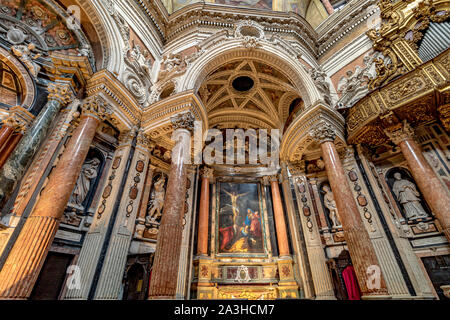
(247,94)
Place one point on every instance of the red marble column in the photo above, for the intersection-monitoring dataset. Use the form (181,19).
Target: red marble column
(9,147)
(435,194)
(28,254)
(358,241)
(203,217)
(280,222)
(328,6)
(163,283)
(5,132)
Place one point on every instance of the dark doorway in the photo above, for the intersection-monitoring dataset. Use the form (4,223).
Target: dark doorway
(438,269)
(52,276)
(137,276)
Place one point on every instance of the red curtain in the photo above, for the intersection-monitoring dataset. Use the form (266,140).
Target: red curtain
(351,283)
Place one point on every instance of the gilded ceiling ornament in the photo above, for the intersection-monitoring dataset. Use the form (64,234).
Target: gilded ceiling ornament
(323,132)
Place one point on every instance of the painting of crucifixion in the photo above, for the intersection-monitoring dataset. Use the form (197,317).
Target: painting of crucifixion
(240,219)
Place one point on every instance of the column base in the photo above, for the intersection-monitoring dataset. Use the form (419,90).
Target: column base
(287,286)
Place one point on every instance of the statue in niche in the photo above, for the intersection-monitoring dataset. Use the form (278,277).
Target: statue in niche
(330,203)
(155,210)
(408,196)
(87,175)
(24,53)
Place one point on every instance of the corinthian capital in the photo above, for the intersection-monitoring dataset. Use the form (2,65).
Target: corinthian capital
(323,132)
(17,123)
(400,133)
(183,120)
(207,172)
(60,91)
(143,139)
(96,107)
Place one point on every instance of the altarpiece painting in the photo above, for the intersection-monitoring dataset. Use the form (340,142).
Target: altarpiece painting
(240,219)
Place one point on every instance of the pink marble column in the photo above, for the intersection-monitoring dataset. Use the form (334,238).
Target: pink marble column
(203,217)
(435,194)
(28,254)
(328,6)
(9,147)
(163,283)
(355,233)
(5,132)
(280,222)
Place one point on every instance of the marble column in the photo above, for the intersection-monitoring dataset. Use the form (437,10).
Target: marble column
(165,268)
(28,254)
(10,135)
(203,217)
(5,132)
(434,192)
(356,236)
(280,223)
(11,144)
(328,6)
(17,163)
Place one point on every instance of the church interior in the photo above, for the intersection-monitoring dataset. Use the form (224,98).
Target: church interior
(113,113)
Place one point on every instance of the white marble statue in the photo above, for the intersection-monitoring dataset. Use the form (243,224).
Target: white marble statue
(87,175)
(155,211)
(408,196)
(329,202)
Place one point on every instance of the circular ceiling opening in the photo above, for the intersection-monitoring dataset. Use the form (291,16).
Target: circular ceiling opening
(243,83)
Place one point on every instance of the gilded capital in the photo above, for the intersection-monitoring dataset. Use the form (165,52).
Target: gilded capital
(60,91)
(183,120)
(323,132)
(400,133)
(273,178)
(207,172)
(96,107)
(18,124)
